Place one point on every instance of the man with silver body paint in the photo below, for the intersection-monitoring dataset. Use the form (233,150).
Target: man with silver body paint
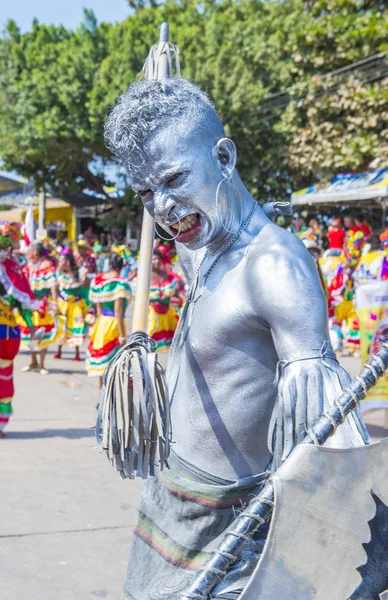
(251,368)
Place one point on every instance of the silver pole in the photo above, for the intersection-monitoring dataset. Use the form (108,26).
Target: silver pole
(42,210)
(140,310)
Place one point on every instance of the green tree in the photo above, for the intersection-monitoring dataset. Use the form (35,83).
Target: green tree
(46,130)
(267,65)
(337,109)
(233,50)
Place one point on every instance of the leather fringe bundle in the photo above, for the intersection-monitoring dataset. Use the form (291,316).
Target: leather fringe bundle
(133,424)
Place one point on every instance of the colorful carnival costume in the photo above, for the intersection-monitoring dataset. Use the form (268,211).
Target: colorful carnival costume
(73,304)
(104,336)
(42,278)
(162,317)
(15,292)
(9,347)
(339,272)
(371,266)
(383,275)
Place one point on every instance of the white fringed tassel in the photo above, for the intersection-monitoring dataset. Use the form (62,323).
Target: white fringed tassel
(133,425)
(151,66)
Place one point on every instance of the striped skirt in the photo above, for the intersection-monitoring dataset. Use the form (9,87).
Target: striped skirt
(53,328)
(161,326)
(104,344)
(74,309)
(183,514)
(9,347)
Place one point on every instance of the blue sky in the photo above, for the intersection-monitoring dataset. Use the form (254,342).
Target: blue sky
(66,12)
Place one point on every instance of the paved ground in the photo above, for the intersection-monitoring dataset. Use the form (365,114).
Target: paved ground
(66,517)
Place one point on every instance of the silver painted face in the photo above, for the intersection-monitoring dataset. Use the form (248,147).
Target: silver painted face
(178,182)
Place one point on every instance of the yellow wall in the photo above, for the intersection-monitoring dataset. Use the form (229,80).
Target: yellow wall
(59,213)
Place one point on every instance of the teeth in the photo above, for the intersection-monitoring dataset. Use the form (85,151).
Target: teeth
(186,223)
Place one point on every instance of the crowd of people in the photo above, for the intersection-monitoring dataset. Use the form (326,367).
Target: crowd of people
(347,254)
(56,294)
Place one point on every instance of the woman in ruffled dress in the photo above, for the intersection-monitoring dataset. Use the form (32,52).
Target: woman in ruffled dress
(15,292)
(73,302)
(164,295)
(41,272)
(111,295)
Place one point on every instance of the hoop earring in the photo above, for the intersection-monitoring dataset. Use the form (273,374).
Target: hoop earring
(169,239)
(241,205)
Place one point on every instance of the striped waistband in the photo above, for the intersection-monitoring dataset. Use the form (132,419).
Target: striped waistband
(187,481)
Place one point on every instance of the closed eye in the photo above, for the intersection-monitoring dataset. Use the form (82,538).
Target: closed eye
(144,193)
(175,179)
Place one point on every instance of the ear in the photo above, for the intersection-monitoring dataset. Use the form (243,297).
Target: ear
(225,154)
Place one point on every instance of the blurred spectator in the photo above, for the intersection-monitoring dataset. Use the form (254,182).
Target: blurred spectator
(363,226)
(348,222)
(316,227)
(85,261)
(336,234)
(129,270)
(89,235)
(97,255)
(299,223)
(102,239)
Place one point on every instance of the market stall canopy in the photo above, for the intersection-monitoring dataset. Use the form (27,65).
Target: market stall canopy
(59,214)
(88,198)
(10,183)
(346,188)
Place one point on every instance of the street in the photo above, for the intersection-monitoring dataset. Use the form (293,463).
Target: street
(66,517)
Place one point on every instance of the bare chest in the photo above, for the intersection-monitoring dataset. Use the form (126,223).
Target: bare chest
(220,317)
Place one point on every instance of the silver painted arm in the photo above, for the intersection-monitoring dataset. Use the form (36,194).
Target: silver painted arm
(307,388)
(309,378)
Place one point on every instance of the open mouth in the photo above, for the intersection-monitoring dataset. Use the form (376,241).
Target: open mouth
(189,226)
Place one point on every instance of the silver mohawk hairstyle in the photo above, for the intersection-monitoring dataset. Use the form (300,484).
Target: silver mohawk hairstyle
(148,106)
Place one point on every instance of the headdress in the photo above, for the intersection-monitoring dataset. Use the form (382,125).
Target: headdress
(123,252)
(83,243)
(310,239)
(9,233)
(48,246)
(384,239)
(165,249)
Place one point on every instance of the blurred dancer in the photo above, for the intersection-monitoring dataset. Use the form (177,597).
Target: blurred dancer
(41,273)
(73,302)
(14,292)
(162,317)
(111,294)
(85,261)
